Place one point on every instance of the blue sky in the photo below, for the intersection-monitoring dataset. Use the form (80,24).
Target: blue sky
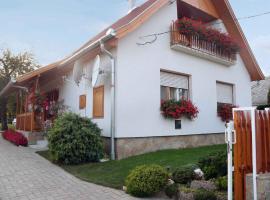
(52,29)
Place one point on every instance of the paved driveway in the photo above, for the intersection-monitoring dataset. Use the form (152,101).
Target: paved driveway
(24,175)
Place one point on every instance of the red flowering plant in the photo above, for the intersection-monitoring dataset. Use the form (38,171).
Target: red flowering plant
(224,111)
(222,41)
(176,109)
(15,137)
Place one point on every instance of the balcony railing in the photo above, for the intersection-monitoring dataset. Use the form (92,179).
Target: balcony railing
(193,45)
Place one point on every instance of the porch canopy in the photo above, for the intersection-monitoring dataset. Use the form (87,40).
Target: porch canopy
(46,81)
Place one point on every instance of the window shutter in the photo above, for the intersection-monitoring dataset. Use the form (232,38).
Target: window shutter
(224,93)
(173,80)
(82,103)
(98,102)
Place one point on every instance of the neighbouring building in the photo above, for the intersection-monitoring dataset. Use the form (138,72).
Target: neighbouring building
(260,90)
(157,58)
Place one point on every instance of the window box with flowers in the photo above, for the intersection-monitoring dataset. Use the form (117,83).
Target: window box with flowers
(224,111)
(173,109)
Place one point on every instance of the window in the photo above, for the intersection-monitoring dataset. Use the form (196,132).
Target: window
(98,102)
(82,103)
(174,86)
(225,93)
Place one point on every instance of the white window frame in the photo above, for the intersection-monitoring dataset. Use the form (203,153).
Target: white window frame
(168,95)
(233,91)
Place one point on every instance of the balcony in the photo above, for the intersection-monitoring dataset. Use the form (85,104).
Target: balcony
(193,45)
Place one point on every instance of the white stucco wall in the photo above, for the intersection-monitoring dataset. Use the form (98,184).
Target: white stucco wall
(138,83)
(70,92)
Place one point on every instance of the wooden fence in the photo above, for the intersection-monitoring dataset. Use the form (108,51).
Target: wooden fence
(194,42)
(243,148)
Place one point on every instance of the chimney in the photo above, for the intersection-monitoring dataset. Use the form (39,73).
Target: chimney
(132,5)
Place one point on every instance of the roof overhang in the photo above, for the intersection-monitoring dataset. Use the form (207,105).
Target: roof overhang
(234,29)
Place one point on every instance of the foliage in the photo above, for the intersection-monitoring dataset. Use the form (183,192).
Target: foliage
(214,165)
(223,41)
(225,111)
(204,195)
(146,180)
(114,172)
(262,107)
(177,109)
(172,190)
(222,183)
(15,137)
(11,66)
(184,175)
(74,139)
(268,97)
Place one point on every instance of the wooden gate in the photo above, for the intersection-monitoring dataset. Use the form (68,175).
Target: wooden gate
(243,147)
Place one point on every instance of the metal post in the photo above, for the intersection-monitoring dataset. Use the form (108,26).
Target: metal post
(228,138)
(254,156)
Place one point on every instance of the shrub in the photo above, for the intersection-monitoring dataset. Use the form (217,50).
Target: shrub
(172,190)
(15,137)
(74,139)
(204,195)
(222,183)
(146,180)
(184,175)
(262,107)
(214,165)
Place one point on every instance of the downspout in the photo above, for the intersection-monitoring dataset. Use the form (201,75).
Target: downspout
(110,55)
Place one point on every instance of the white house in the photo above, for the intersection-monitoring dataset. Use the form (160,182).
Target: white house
(152,61)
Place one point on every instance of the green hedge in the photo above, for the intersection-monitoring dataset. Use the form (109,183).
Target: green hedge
(262,107)
(146,180)
(214,165)
(74,139)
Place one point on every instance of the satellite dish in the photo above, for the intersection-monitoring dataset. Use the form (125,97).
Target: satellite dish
(77,72)
(96,70)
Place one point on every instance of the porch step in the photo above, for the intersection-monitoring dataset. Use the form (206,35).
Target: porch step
(40,145)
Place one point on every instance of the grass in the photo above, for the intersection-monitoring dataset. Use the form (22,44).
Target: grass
(113,173)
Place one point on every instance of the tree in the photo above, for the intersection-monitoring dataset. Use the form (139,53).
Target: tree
(12,66)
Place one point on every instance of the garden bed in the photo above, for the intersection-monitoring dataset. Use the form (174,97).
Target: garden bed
(113,173)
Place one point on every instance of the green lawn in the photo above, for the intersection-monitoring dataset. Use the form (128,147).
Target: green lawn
(113,173)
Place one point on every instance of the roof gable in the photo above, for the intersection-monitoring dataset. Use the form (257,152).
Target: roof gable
(217,8)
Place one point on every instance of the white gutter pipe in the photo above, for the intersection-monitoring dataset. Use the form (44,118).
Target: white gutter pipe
(109,54)
(110,34)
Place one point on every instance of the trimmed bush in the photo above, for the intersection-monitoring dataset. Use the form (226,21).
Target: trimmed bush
(214,165)
(184,174)
(262,107)
(74,139)
(172,190)
(146,180)
(222,183)
(15,137)
(204,195)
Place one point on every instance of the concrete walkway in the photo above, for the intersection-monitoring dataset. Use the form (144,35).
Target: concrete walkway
(24,175)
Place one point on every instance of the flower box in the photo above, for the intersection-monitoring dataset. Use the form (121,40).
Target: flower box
(173,109)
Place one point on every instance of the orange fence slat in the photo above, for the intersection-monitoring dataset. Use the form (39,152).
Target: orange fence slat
(243,148)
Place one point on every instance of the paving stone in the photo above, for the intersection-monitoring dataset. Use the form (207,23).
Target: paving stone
(24,175)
